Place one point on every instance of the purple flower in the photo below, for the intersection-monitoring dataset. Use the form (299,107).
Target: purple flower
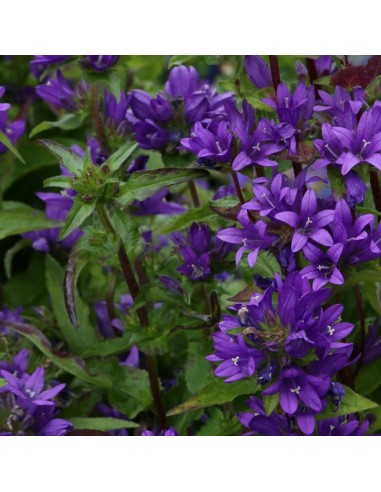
(296,387)
(343,426)
(165,432)
(12,315)
(58,92)
(17,367)
(57,208)
(252,237)
(266,425)
(13,130)
(29,389)
(238,361)
(348,148)
(115,113)
(309,223)
(356,189)
(295,109)
(157,205)
(372,346)
(100,63)
(210,144)
(341,106)
(324,265)
(41,62)
(258,71)
(55,427)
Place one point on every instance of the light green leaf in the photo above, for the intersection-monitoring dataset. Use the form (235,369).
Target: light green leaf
(198,371)
(270,402)
(181,60)
(120,156)
(67,122)
(9,255)
(216,393)
(9,145)
(3,382)
(178,223)
(72,365)
(59,182)
(72,161)
(20,218)
(143,184)
(77,215)
(101,423)
(351,403)
(79,339)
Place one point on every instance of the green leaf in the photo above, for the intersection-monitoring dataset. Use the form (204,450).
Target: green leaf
(131,390)
(112,346)
(72,365)
(9,145)
(79,339)
(59,182)
(3,382)
(11,252)
(185,220)
(72,161)
(101,423)
(114,84)
(270,402)
(67,122)
(376,426)
(78,259)
(120,156)
(266,265)
(181,60)
(198,371)
(368,378)
(216,393)
(143,184)
(219,424)
(366,275)
(77,215)
(21,218)
(351,403)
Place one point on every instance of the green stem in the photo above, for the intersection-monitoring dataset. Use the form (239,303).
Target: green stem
(142,313)
(194,194)
(98,122)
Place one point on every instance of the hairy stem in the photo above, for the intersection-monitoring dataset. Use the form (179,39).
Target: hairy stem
(142,313)
(312,74)
(194,194)
(237,187)
(97,120)
(376,190)
(274,68)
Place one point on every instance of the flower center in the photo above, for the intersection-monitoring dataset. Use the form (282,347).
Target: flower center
(30,393)
(295,390)
(197,271)
(365,144)
(330,330)
(235,360)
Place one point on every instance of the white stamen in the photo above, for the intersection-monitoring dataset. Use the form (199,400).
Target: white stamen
(235,360)
(197,271)
(257,147)
(330,330)
(30,393)
(323,267)
(365,144)
(257,298)
(295,390)
(331,427)
(242,313)
(331,151)
(267,199)
(218,146)
(309,221)
(244,240)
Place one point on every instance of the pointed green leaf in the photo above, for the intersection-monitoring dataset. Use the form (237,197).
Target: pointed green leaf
(72,365)
(143,184)
(270,403)
(3,382)
(9,255)
(120,156)
(67,122)
(83,337)
(72,161)
(78,213)
(216,393)
(20,218)
(101,423)
(351,403)
(9,145)
(368,379)
(181,60)
(59,182)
